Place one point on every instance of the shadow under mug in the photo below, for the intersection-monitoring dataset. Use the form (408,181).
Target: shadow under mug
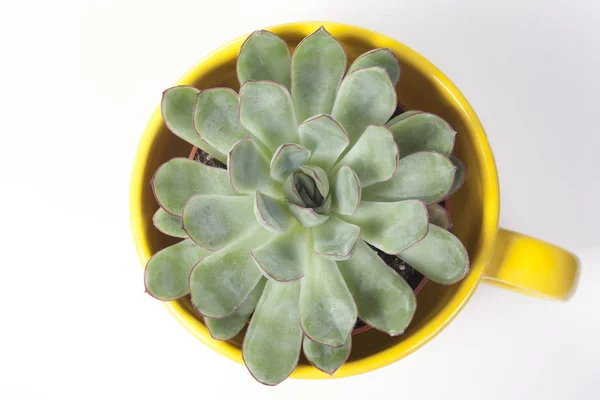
(498,256)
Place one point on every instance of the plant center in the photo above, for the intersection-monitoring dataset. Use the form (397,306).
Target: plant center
(307,189)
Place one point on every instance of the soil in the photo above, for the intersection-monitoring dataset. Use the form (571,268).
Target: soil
(207,159)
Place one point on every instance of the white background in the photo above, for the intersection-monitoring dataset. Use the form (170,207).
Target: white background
(78,82)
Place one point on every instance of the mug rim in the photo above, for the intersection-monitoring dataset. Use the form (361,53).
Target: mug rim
(490,205)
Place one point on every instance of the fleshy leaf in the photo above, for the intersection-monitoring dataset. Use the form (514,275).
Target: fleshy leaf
(319,176)
(180,178)
(336,239)
(379,58)
(216,118)
(266,110)
(438,215)
(307,217)
(346,191)
(271,348)
(287,159)
(283,257)
(291,193)
(168,224)
(425,175)
(326,358)
(422,131)
(374,157)
(272,214)
(318,66)
(391,227)
(459,176)
(384,300)
(440,256)
(177,109)
(366,97)
(214,221)
(226,328)
(221,283)
(264,56)
(167,272)
(327,310)
(325,138)
(248,169)
(325,207)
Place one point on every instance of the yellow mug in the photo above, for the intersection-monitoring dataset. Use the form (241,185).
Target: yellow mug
(498,256)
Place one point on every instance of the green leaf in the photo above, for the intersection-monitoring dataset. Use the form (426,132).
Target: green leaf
(336,239)
(307,217)
(438,215)
(272,214)
(291,193)
(325,138)
(167,272)
(379,58)
(222,282)
(318,176)
(326,358)
(216,118)
(422,131)
(226,328)
(180,178)
(168,224)
(374,157)
(327,311)
(384,300)
(287,159)
(346,191)
(325,207)
(318,66)
(271,348)
(459,176)
(177,108)
(214,221)
(264,56)
(248,169)
(440,256)
(391,227)
(307,190)
(283,257)
(425,176)
(266,110)
(366,97)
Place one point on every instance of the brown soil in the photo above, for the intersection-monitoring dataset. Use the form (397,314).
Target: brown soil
(207,159)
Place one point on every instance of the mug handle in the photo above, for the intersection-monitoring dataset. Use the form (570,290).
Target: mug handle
(531,266)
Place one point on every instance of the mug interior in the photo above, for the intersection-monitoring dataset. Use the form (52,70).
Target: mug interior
(474,208)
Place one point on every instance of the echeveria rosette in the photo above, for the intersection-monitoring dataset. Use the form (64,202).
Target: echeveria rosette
(315,171)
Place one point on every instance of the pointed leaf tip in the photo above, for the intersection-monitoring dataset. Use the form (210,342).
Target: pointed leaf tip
(318,66)
(379,58)
(264,56)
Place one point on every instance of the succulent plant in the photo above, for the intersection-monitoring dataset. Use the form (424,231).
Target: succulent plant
(317,173)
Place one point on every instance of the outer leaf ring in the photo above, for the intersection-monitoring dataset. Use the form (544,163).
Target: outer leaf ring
(246,40)
(207,316)
(330,373)
(191,158)
(158,298)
